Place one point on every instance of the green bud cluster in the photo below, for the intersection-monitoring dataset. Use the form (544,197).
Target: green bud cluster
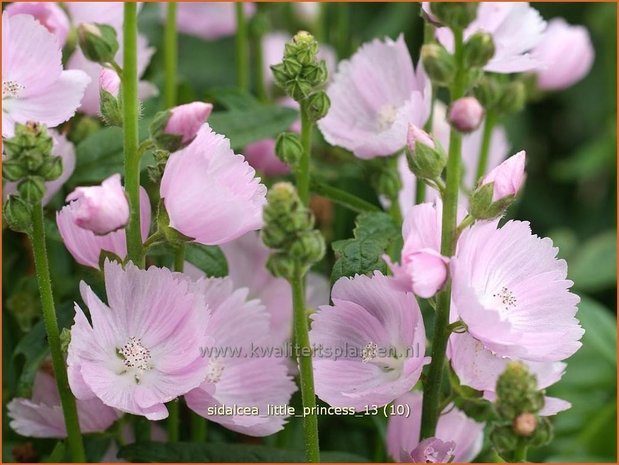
(518,404)
(303,76)
(289,231)
(98,42)
(499,96)
(28,162)
(454,14)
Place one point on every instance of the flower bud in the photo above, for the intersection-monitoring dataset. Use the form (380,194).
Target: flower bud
(517,392)
(478,50)
(109,97)
(288,148)
(318,105)
(13,170)
(281,265)
(308,247)
(291,66)
(280,74)
(305,47)
(525,424)
(454,14)
(513,98)
(100,209)
(98,42)
(465,114)
(438,64)
(51,169)
(425,160)
(298,89)
(432,450)
(488,91)
(17,214)
(176,128)
(31,189)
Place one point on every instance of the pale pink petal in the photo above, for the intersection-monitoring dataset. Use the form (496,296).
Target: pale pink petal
(209,20)
(49,14)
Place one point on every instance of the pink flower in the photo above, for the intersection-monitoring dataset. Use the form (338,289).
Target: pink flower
(86,247)
(432,450)
(374,97)
(480,369)
(142,349)
(516,29)
(63,149)
(508,177)
(453,425)
(90,102)
(466,114)
(49,14)
(110,13)
(370,343)
(253,381)
(567,55)
(41,416)
(209,20)
(109,81)
(100,209)
(186,120)
(308,12)
(34,85)
(512,293)
(415,135)
(421,258)
(211,194)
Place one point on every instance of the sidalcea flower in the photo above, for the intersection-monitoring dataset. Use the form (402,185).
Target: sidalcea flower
(41,416)
(100,209)
(86,247)
(432,450)
(508,177)
(248,381)
(516,29)
(110,13)
(465,114)
(109,81)
(211,194)
(49,14)
(480,369)
(63,149)
(515,306)
(247,258)
(34,85)
(374,97)
(370,343)
(177,127)
(453,426)
(142,349)
(567,55)
(209,20)
(90,102)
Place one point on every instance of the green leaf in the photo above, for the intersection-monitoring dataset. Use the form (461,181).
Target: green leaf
(593,266)
(243,127)
(600,329)
(223,453)
(374,232)
(233,98)
(210,259)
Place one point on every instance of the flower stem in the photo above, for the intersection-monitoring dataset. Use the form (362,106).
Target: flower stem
(170,51)
(432,387)
(69,409)
(130,132)
(303,170)
(482,163)
(242,54)
(342,15)
(142,429)
(306,373)
(520,454)
(198,428)
(261,88)
(343,198)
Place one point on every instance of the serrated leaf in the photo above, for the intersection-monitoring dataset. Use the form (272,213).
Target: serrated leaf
(223,453)
(210,259)
(376,225)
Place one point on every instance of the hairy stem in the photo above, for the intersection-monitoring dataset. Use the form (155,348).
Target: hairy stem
(69,409)
(242,53)
(432,387)
(130,132)
(170,50)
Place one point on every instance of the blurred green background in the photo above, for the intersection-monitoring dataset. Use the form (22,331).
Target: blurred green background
(570,195)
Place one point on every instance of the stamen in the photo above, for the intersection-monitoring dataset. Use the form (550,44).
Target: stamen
(214,371)
(369,352)
(11,89)
(136,356)
(506,297)
(386,116)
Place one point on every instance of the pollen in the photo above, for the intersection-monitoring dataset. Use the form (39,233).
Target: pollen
(369,352)
(136,357)
(506,298)
(11,89)
(214,371)
(386,116)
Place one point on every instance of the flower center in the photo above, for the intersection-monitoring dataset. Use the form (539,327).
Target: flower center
(435,456)
(214,371)
(11,89)
(386,116)
(136,357)
(506,299)
(387,359)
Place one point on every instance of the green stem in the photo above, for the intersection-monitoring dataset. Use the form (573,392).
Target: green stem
(261,88)
(69,410)
(130,132)
(179,258)
(303,170)
(342,20)
(432,386)
(343,198)
(520,454)
(169,55)
(198,428)
(141,427)
(242,54)
(306,373)
(482,163)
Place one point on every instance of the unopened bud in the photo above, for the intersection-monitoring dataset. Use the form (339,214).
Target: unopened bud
(51,169)
(308,247)
(488,91)
(176,128)
(110,104)
(465,114)
(281,265)
(438,64)
(318,105)
(98,42)
(454,14)
(315,73)
(513,98)
(13,170)
(425,160)
(31,189)
(288,148)
(478,50)
(517,392)
(305,47)
(17,214)
(525,424)
(298,89)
